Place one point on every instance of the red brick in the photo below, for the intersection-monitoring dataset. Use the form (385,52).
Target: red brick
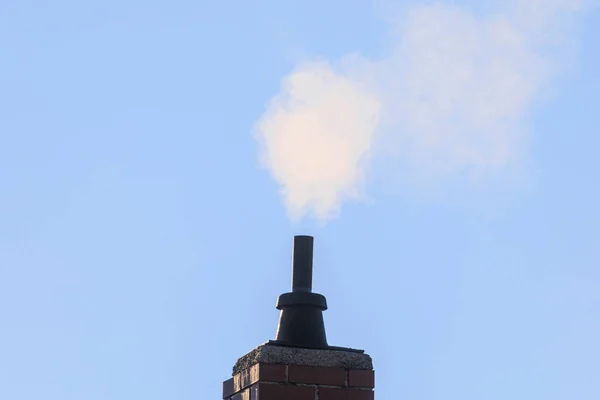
(363,378)
(228,388)
(274,391)
(256,373)
(345,394)
(245,395)
(271,372)
(317,375)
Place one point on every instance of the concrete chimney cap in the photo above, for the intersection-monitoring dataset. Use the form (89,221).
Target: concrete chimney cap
(270,354)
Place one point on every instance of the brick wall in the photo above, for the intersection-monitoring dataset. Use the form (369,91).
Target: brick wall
(265,381)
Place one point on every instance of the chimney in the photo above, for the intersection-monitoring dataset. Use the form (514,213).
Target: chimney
(299,364)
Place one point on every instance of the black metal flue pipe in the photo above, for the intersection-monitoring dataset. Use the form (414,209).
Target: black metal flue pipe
(302,264)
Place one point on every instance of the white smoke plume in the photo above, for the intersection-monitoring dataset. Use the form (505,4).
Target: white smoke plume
(452,96)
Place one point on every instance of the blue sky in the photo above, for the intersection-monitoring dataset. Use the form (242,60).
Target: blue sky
(143,244)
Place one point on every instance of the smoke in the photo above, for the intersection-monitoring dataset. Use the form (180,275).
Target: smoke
(450,98)
(317,134)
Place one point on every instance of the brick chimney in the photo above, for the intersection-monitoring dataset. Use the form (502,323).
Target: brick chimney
(299,364)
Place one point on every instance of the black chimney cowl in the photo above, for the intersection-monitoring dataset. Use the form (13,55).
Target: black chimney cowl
(301,320)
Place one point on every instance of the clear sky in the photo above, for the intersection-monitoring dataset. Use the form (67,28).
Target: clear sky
(143,244)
